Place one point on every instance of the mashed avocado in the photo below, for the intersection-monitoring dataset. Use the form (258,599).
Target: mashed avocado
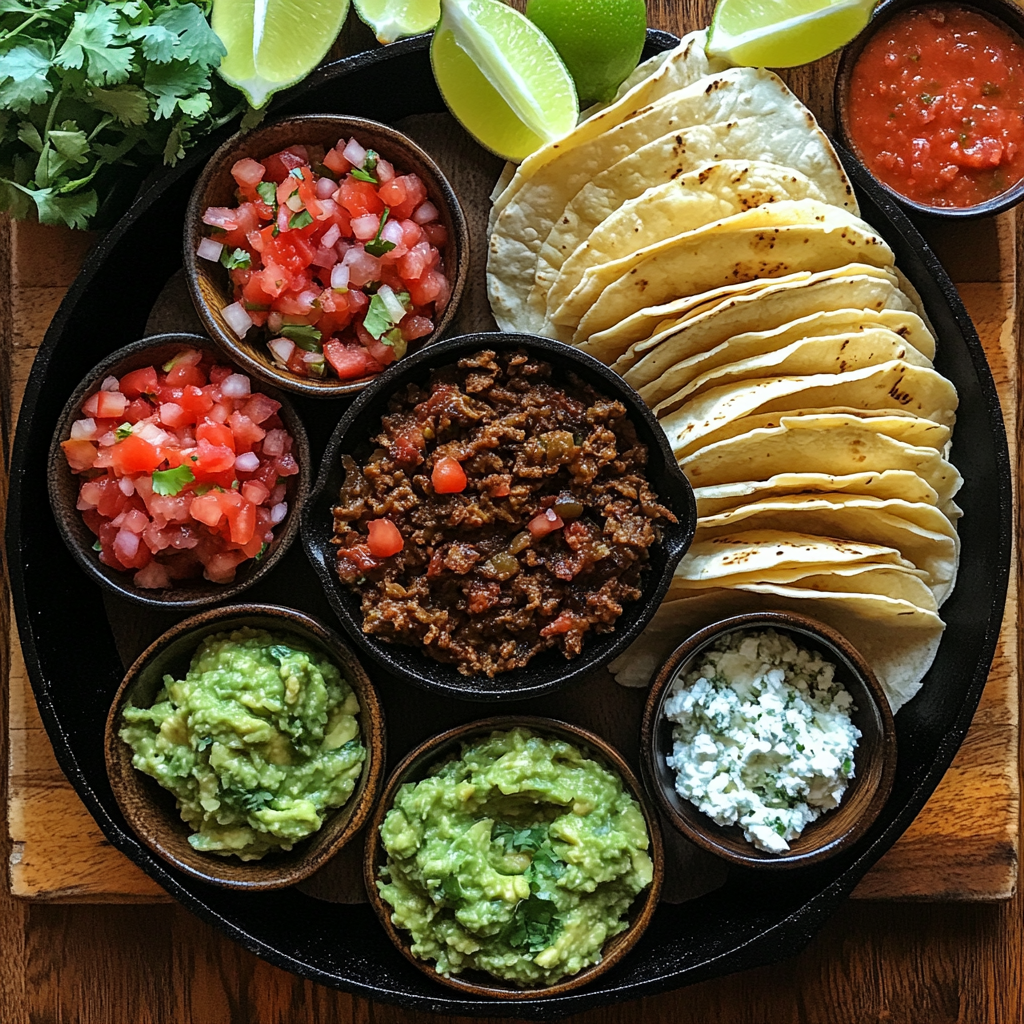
(257,742)
(519,859)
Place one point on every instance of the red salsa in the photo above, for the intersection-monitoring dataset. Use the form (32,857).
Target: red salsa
(936,106)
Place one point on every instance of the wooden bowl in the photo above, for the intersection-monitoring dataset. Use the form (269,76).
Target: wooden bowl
(446,746)
(151,811)
(1007,15)
(209,283)
(63,485)
(549,669)
(875,757)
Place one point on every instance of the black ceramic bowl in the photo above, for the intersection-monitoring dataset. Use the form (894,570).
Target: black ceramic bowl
(1007,15)
(63,485)
(874,758)
(548,670)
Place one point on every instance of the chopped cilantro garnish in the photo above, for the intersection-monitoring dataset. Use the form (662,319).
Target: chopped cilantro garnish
(253,802)
(847,766)
(378,320)
(268,193)
(279,652)
(396,341)
(927,99)
(123,431)
(370,163)
(256,307)
(194,458)
(452,887)
(324,171)
(780,826)
(259,554)
(358,172)
(534,925)
(306,337)
(300,219)
(169,482)
(296,172)
(204,742)
(97,546)
(364,173)
(379,246)
(237,259)
(201,489)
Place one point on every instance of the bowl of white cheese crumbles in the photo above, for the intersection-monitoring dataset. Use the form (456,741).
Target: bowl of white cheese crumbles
(767,740)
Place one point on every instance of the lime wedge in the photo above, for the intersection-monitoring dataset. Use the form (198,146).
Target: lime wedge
(396,19)
(784,33)
(272,44)
(501,77)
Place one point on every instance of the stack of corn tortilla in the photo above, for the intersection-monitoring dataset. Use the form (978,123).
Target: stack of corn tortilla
(700,236)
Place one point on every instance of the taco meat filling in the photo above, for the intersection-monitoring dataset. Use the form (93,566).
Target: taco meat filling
(502,515)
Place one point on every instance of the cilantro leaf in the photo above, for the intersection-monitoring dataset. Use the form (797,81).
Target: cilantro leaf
(306,337)
(235,259)
(378,246)
(279,652)
(53,208)
(23,71)
(300,219)
(128,103)
(123,431)
(534,925)
(255,801)
(196,41)
(92,40)
(361,175)
(378,320)
(171,481)
(172,82)
(268,193)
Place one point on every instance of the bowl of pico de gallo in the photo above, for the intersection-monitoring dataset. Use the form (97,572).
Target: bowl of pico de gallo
(320,249)
(175,479)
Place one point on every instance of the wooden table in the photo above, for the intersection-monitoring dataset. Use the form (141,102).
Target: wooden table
(875,961)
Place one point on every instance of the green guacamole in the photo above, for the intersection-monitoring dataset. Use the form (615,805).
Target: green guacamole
(258,742)
(519,859)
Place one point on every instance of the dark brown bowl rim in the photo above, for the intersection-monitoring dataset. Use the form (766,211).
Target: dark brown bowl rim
(435,750)
(244,142)
(251,876)
(706,835)
(190,594)
(1010,17)
(548,670)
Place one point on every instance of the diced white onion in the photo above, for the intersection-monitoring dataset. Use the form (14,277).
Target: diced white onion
(325,188)
(282,349)
(312,357)
(152,433)
(395,308)
(237,318)
(383,172)
(126,544)
(278,512)
(126,486)
(331,235)
(425,212)
(83,430)
(339,276)
(354,153)
(328,208)
(235,385)
(275,321)
(294,203)
(392,232)
(247,462)
(210,250)
(110,384)
(273,443)
(282,219)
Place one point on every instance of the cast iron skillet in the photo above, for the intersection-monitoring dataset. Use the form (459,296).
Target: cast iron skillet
(74,665)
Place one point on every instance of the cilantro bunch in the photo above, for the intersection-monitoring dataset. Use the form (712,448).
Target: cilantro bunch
(89,86)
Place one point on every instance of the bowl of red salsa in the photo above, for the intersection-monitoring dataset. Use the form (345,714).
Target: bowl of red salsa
(176,480)
(322,248)
(930,99)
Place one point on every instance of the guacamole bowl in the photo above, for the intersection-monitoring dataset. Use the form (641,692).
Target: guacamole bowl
(550,852)
(234,769)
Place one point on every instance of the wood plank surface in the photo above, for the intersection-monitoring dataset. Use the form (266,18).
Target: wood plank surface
(874,961)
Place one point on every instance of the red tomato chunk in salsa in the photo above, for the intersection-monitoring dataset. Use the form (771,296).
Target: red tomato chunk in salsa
(936,105)
(185,471)
(336,254)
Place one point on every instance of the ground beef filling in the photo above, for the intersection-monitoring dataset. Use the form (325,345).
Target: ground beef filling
(481,581)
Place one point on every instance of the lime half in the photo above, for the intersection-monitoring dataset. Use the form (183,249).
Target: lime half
(784,33)
(396,19)
(501,77)
(272,44)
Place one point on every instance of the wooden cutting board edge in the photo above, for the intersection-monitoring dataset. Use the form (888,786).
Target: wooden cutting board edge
(963,845)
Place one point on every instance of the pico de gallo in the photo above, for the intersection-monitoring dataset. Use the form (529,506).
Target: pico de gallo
(184,470)
(336,254)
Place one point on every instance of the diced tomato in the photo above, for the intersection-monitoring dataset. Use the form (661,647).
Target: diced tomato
(215,434)
(385,539)
(544,523)
(349,361)
(138,409)
(133,455)
(80,455)
(221,567)
(195,401)
(248,171)
(139,382)
(566,622)
(278,166)
(105,405)
(242,521)
(354,561)
(212,460)
(448,476)
(359,198)
(334,161)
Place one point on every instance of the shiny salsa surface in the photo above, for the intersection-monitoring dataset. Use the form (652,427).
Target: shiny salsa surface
(936,106)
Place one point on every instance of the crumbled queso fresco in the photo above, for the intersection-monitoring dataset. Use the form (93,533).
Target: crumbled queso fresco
(763,736)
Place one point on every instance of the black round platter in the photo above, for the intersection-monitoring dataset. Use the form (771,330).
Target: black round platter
(77,642)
